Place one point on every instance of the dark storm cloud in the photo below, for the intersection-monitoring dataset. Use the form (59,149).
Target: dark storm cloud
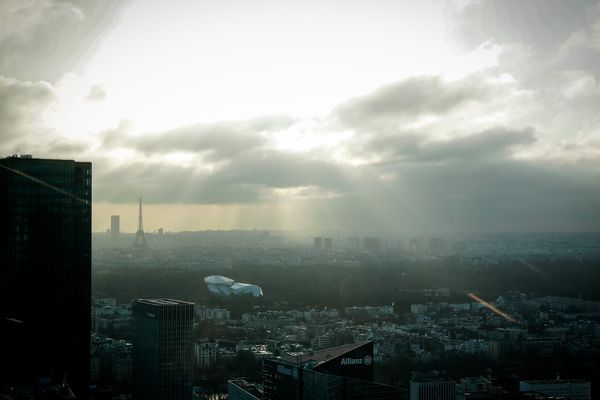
(161,183)
(216,141)
(504,194)
(411,98)
(479,195)
(21,105)
(277,169)
(419,148)
(247,178)
(471,183)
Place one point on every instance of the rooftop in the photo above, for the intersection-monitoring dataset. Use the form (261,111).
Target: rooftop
(554,381)
(323,355)
(251,388)
(163,302)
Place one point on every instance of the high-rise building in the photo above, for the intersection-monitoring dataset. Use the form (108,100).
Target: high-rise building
(432,387)
(372,244)
(205,353)
(45,273)
(437,245)
(354,243)
(318,242)
(115,226)
(163,349)
(575,389)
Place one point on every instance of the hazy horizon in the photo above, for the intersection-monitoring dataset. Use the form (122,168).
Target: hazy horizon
(428,116)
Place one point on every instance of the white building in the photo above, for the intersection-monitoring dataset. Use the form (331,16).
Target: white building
(226,287)
(418,308)
(372,311)
(219,314)
(321,342)
(575,389)
(472,385)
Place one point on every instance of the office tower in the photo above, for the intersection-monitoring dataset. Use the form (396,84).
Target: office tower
(162,349)
(45,259)
(372,244)
(205,353)
(437,245)
(432,387)
(354,243)
(327,243)
(115,226)
(318,242)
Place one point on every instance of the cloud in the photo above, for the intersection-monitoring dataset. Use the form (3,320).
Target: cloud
(418,148)
(21,106)
(539,38)
(539,24)
(97,93)
(504,194)
(471,182)
(453,174)
(581,50)
(411,98)
(44,39)
(20,19)
(220,140)
(247,178)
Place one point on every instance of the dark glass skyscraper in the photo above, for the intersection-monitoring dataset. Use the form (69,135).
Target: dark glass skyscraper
(45,270)
(162,349)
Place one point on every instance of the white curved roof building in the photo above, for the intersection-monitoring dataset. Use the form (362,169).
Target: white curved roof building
(225,287)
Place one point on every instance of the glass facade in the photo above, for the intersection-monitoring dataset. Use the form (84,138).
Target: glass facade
(162,349)
(45,254)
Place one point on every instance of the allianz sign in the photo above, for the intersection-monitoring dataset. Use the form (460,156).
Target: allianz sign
(366,360)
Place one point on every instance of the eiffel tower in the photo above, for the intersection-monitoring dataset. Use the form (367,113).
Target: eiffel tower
(140,236)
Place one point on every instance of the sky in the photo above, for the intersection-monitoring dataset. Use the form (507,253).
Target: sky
(429,116)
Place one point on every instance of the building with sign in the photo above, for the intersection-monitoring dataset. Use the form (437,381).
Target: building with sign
(344,372)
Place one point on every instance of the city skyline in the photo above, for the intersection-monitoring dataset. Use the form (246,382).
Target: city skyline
(458,115)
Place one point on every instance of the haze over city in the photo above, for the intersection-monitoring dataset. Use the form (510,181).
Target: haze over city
(428,115)
(300,200)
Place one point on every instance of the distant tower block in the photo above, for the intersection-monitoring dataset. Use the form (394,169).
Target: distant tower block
(318,242)
(115,226)
(140,236)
